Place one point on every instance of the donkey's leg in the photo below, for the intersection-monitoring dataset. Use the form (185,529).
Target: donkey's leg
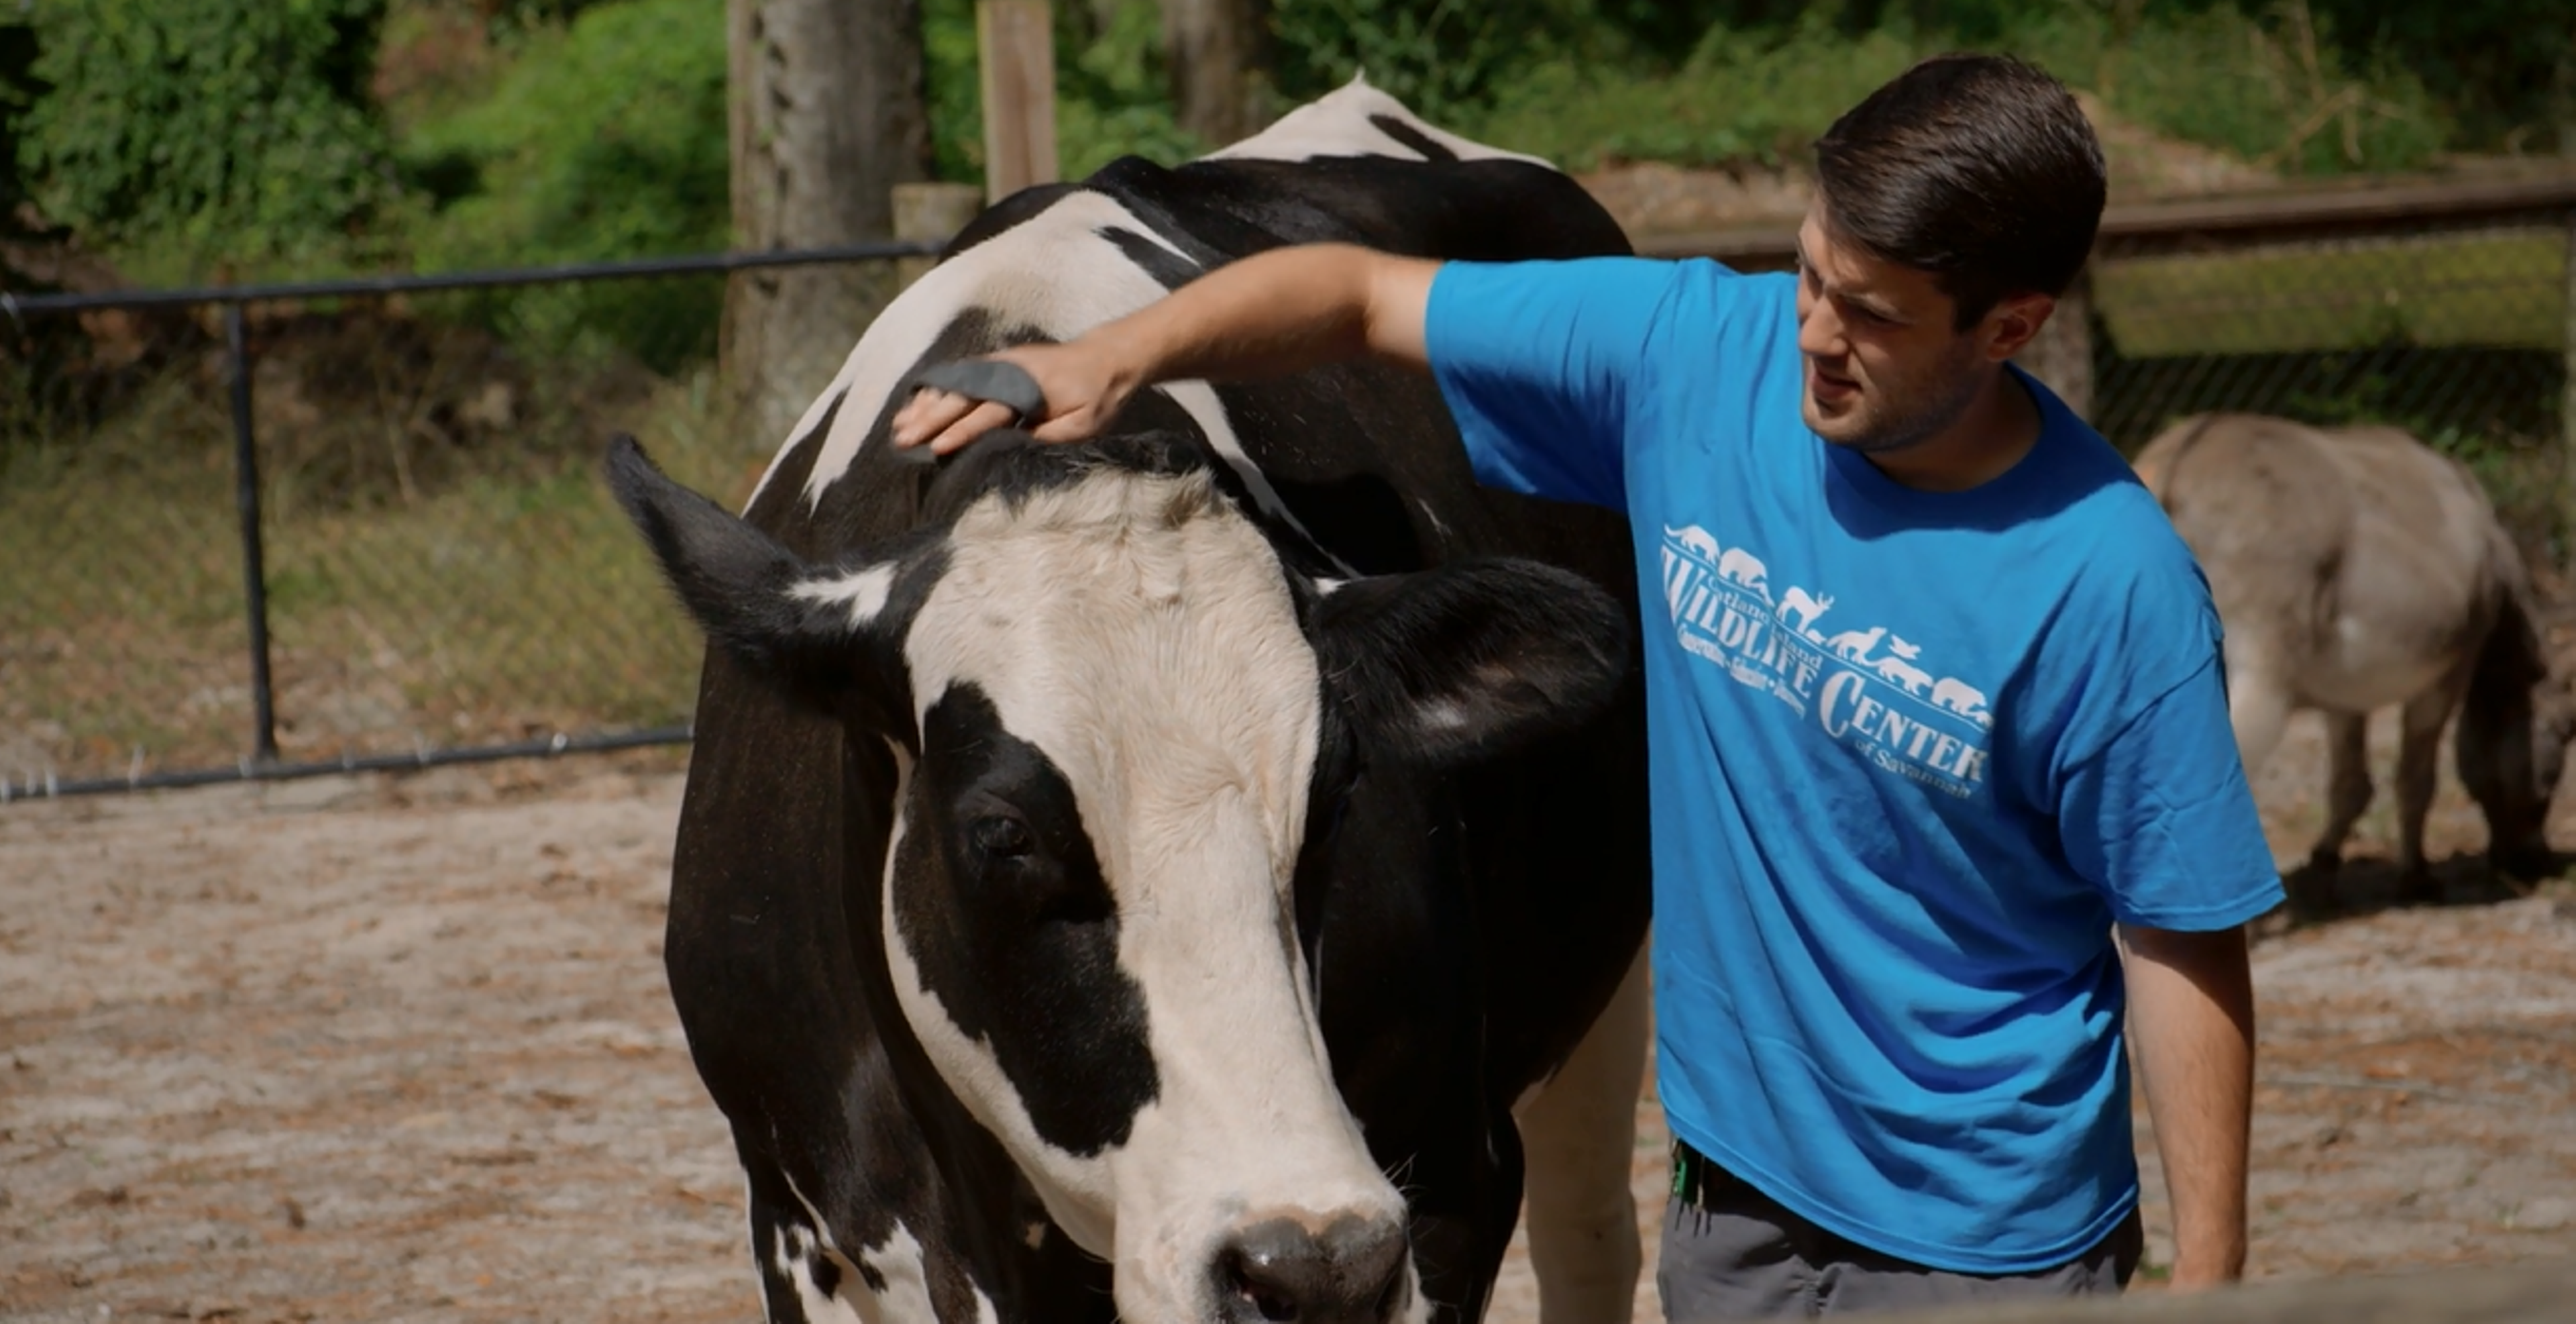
(2258,708)
(2348,785)
(1579,1133)
(2421,742)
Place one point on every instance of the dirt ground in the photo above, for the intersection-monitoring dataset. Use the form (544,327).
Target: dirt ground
(399,1048)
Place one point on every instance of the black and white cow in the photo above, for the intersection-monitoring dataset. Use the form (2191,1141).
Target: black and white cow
(1146,879)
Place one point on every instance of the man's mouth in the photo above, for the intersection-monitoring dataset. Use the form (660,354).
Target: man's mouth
(1828,388)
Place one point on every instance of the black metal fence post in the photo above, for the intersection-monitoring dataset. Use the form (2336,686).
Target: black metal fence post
(254,567)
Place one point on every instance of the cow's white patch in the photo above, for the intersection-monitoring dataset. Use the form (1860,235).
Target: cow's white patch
(1186,726)
(793,1256)
(1339,123)
(897,1262)
(863,590)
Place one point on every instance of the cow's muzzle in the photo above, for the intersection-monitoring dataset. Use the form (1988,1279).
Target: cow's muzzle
(1352,1273)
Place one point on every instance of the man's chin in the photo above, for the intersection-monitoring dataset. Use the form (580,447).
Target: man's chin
(1844,427)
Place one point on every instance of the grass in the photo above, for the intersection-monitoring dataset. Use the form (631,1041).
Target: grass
(496,608)
(2503,289)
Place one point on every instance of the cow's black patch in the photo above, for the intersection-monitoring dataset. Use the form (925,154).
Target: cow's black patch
(1430,147)
(826,1275)
(1169,269)
(1000,899)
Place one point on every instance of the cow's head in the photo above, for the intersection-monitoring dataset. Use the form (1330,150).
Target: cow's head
(1117,713)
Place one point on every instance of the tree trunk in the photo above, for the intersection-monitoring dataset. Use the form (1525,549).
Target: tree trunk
(1218,53)
(827,117)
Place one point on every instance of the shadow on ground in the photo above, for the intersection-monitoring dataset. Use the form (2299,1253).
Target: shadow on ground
(2369,885)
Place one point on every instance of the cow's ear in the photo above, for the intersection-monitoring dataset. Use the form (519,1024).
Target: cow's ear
(823,635)
(1445,666)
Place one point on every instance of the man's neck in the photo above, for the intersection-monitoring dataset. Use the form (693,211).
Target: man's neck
(1990,436)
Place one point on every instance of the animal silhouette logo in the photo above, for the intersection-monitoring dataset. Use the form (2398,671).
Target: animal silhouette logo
(1856,645)
(1799,610)
(1964,700)
(1741,567)
(1898,666)
(1694,540)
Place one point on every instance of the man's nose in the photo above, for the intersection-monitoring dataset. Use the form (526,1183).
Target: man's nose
(1820,333)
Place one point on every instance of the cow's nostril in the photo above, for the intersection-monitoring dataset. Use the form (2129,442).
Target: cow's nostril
(1266,1301)
(1274,1271)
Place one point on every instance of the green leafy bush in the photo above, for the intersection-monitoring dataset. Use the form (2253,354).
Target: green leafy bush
(211,130)
(1742,96)
(604,138)
(2278,91)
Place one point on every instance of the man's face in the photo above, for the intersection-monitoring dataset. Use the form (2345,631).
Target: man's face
(1886,365)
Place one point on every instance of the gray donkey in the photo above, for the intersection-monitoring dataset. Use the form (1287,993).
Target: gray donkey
(2355,568)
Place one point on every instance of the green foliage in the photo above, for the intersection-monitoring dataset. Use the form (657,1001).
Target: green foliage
(213,130)
(2277,91)
(604,138)
(1444,58)
(2504,70)
(1740,96)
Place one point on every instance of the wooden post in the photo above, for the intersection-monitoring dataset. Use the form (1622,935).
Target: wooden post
(933,213)
(1015,41)
(2566,531)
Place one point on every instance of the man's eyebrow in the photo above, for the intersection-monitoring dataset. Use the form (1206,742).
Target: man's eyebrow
(1875,307)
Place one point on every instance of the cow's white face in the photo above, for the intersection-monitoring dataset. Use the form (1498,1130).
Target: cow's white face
(1111,707)
(1087,903)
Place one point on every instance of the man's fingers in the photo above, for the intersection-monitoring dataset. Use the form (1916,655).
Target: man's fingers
(926,414)
(981,419)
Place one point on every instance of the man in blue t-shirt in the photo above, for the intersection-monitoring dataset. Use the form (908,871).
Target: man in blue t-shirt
(1943,787)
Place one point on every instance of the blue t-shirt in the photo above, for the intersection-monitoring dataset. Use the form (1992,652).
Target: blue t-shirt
(1911,755)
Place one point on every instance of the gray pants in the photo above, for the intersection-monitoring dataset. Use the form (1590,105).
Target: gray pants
(1735,1253)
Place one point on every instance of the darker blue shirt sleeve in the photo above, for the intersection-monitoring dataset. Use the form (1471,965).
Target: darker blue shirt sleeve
(2161,819)
(1543,364)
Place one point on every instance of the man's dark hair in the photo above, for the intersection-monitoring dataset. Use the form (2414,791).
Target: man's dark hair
(1980,169)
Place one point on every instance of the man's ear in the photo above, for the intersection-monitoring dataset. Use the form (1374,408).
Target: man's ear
(2014,322)
(827,637)
(1446,666)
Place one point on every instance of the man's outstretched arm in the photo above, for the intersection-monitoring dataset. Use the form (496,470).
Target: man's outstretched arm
(1268,315)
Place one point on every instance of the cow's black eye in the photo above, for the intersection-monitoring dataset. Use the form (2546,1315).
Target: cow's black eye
(1000,836)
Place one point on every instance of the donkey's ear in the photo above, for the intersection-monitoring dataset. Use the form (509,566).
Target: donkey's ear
(822,635)
(1443,667)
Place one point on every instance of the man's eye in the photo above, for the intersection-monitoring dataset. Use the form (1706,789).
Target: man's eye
(995,835)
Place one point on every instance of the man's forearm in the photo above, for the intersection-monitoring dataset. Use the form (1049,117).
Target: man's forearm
(2191,1011)
(1274,314)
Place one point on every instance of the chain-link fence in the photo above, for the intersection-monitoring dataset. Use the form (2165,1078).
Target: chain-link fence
(2440,309)
(267,532)
(255,533)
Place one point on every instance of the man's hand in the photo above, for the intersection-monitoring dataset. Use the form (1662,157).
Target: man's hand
(2191,1012)
(1084,382)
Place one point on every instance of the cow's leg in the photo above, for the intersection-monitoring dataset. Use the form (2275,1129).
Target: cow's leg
(2347,785)
(801,1282)
(2419,744)
(1579,1133)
